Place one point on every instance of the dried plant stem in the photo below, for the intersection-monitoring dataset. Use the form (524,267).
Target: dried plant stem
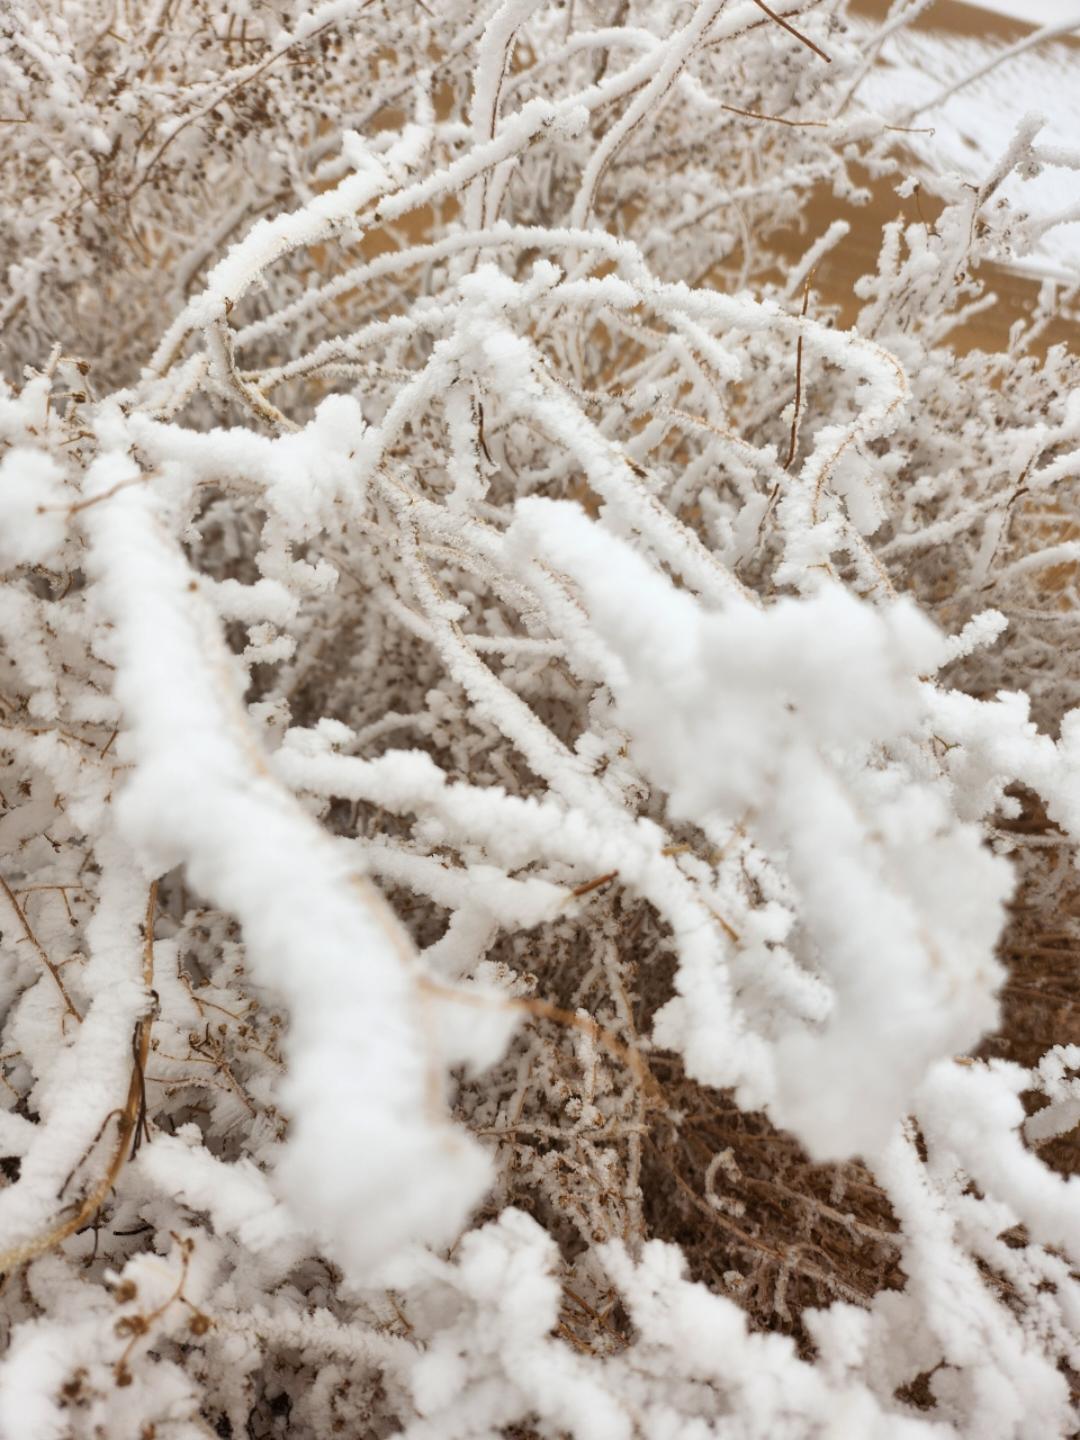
(130,1118)
(794,442)
(798,34)
(36,943)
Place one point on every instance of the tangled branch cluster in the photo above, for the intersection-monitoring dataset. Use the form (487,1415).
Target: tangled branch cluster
(520,737)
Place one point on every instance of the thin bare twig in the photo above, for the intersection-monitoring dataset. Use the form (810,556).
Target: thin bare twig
(132,1117)
(786,25)
(798,379)
(36,943)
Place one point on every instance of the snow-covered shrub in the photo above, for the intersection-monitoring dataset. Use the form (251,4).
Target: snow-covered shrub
(520,737)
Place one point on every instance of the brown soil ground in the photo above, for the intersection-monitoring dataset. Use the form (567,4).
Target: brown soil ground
(857,255)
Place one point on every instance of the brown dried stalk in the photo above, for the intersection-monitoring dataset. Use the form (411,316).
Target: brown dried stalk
(132,1118)
(36,943)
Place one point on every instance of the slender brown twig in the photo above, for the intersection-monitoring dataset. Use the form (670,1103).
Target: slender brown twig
(786,25)
(36,943)
(545,1010)
(798,379)
(132,1116)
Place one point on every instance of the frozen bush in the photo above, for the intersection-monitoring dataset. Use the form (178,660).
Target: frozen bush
(535,749)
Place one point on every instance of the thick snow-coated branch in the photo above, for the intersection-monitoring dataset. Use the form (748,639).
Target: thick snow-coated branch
(538,739)
(198,764)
